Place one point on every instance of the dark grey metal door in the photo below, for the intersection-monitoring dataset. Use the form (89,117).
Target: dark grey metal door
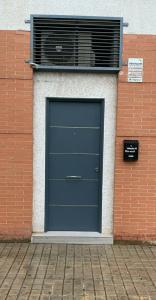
(73,165)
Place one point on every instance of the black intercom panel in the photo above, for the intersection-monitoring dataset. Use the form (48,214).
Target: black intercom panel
(130,150)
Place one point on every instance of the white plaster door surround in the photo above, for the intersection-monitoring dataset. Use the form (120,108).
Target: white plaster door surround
(77,85)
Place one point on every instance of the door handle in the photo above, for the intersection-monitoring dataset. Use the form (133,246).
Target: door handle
(73,177)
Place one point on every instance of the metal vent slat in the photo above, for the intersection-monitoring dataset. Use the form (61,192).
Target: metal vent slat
(100,55)
(64,33)
(73,43)
(106,27)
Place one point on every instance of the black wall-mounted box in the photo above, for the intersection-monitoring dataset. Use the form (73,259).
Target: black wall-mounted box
(130,150)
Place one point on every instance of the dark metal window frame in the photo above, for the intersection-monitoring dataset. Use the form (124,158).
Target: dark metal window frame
(76,68)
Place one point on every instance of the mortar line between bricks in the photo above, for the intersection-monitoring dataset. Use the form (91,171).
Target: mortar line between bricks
(46,267)
(120,273)
(19,266)
(23,133)
(136,136)
(36,268)
(18,295)
(129,273)
(102,274)
(16,78)
(12,249)
(144,82)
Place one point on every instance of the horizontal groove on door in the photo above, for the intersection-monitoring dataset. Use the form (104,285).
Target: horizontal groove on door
(77,127)
(61,153)
(75,205)
(83,179)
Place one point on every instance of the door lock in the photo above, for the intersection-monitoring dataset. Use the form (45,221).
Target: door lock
(96,170)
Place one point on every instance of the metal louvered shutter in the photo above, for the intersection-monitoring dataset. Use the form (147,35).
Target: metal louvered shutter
(76,43)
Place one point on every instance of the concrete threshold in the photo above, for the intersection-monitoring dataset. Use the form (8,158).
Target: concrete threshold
(71,237)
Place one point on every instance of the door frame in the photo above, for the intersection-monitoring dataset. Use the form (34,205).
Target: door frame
(102,113)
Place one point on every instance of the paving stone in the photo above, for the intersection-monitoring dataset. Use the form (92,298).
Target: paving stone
(45,297)
(34,297)
(100,295)
(76,272)
(11,297)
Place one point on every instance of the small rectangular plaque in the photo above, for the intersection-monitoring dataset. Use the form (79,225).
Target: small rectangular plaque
(135,70)
(130,150)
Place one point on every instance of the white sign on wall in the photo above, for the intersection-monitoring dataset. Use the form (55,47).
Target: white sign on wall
(135,69)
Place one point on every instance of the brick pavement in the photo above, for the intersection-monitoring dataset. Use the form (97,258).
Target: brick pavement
(80,272)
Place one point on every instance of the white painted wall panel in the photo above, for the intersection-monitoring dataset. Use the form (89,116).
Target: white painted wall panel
(140,14)
(79,86)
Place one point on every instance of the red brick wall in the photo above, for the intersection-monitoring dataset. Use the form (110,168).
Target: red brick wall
(135,182)
(15,136)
